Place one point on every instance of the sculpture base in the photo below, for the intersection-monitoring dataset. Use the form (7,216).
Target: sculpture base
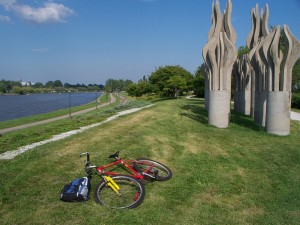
(260,108)
(242,102)
(206,96)
(278,113)
(219,108)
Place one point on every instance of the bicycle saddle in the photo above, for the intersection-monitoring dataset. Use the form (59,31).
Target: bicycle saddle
(115,155)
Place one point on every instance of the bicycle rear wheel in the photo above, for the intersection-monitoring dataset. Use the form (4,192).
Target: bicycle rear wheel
(131,193)
(155,169)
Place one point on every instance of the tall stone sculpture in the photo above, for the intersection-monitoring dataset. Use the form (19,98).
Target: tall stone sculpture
(219,55)
(255,39)
(279,78)
(242,93)
(273,73)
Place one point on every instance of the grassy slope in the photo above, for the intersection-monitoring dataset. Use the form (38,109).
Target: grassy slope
(239,175)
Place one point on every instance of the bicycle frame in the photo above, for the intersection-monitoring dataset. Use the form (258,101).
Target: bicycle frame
(125,163)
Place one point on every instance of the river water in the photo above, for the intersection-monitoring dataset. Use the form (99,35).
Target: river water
(17,106)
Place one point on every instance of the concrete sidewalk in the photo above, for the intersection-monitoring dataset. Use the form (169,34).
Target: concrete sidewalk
(295,116)
(7,130)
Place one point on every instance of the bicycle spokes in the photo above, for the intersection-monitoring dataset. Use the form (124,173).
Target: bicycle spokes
(130,194)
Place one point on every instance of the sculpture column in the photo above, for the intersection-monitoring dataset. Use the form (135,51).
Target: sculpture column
(280,81)
(242,94)
(258,33)
(219,55)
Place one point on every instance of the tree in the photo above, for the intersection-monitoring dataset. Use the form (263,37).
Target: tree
(161,76)
(243,50)
(92,88)
(117,85)
(38,85)
(17,90)
(175,85)
(8,85)
(199,82)
(296,76)
(57,83)
(132,90)
(67,85)
(127,83)
(2,88)
(49,84)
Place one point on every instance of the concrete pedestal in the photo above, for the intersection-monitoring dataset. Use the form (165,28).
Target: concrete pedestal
(260,108)
(242,102)
(206,96)
(278,113)
(219,108)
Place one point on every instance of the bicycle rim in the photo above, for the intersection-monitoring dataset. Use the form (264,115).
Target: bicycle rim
(131,193)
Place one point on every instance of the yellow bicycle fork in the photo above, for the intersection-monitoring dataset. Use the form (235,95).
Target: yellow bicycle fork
(112,184)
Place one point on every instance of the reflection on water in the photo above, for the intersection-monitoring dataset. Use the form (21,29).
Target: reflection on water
(17,106)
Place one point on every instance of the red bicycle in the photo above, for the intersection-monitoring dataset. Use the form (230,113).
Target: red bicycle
(140,168)
(117,190)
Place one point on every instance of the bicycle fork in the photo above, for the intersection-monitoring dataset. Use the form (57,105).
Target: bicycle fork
(112,184)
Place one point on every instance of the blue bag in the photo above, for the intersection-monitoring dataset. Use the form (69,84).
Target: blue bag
(76,191)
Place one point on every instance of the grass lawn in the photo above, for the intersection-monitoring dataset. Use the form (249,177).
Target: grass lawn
(238,175)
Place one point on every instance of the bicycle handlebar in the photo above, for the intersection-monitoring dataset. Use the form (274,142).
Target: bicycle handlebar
(91,167)
(87,155)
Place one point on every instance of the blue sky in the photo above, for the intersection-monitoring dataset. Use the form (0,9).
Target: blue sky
(90,41)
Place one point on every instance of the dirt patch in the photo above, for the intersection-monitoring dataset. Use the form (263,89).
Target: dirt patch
(194,143)
(160,146)
(253,211)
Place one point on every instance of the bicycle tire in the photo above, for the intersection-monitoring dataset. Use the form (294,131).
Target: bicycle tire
(132,193)
(161,172)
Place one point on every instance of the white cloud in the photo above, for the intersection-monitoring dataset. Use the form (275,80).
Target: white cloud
(5,19)
(7,4)
(50,12)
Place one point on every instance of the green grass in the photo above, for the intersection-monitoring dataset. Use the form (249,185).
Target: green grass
(238,175)
(16,139)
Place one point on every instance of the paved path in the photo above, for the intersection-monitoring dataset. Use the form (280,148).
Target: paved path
(7,130)
(295,116)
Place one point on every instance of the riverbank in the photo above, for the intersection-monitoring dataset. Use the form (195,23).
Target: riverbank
(12,154)
(20,106)
(41,132)
(104,98)
(7,130)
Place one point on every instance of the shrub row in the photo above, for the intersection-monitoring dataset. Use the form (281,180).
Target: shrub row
(296,100)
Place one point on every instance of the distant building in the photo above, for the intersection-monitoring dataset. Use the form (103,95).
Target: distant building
(24,84)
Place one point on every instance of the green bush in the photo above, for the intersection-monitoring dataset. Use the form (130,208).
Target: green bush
(296,100)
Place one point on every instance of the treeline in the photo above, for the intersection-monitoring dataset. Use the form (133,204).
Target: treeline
(170,81)
(112,85)
(173,81)
(17,87)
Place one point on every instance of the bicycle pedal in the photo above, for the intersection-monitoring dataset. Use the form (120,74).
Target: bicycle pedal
(154,171)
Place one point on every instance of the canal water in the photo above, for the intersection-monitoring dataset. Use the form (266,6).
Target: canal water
(17,106)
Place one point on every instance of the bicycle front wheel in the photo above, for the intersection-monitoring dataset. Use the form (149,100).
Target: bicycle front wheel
(152,168)
(130,195)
